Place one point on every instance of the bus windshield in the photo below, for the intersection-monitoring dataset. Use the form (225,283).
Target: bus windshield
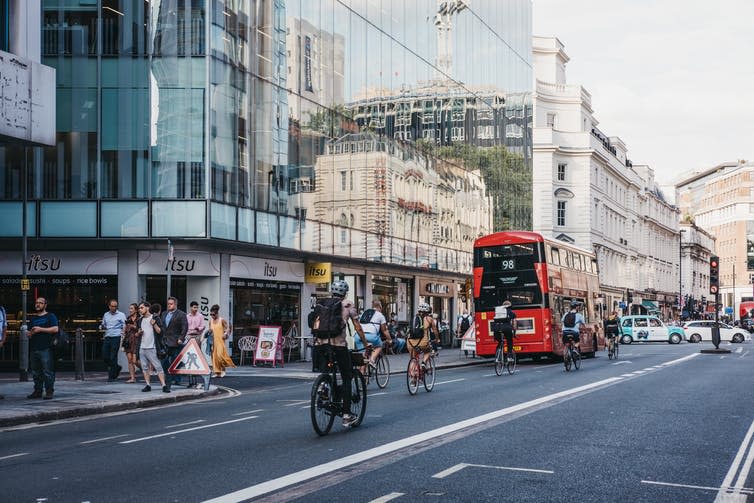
(508,275)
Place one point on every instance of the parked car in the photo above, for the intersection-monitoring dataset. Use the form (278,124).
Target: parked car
(698,331)
(649,328)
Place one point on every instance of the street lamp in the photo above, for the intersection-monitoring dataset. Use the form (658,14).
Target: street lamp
(680,272)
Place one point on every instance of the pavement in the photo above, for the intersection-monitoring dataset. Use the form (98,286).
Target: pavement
(94,395)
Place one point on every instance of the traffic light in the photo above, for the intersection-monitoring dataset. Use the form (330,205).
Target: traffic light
(714,274)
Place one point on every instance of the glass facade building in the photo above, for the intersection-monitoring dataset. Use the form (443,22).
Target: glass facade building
(236,128)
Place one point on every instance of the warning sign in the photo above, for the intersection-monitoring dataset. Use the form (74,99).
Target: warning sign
(190,361)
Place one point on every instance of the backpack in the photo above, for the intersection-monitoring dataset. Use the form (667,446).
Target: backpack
(570,320)
(60,342)
(326,320)
(366,316)
(417,329)
(465,324)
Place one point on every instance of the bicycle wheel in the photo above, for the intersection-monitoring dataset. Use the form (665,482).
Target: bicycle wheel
(321,403)
(499,360)
(358,397)
(510,365)
(567,359)
(429,374)
(576,359)
(382,372)
(412,376)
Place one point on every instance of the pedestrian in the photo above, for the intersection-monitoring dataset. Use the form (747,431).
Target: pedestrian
(113,323)
(196,331)
(149,326)
(131,341)
(175,327)
(399,339)
(42,326)
(220,331)
(3,330)
(463,323)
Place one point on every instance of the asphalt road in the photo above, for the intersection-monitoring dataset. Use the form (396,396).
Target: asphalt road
(664,423)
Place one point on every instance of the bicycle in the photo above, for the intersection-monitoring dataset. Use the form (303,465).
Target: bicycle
(416,372)
(612,347)
(507,361)
(380,369)
(326,400)
(571,355)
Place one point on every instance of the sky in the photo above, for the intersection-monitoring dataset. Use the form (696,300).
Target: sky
(674,79)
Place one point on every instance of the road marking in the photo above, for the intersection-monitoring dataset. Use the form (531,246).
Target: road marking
(297,402)
(377,394)
(186,430)
(313,472)
(185,424)
(740,350)
(387,497)
(247,412)
(626,375)
(452,380)
(461,466)
(623,362)
(369,454)
(725,492)
(15,455)
(705,488)
(101,439)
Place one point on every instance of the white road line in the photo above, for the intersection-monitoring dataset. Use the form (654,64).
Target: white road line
(359,457)
(297,402)
(387,497)
(452,380)
(687,486)
(247,412)
(626,375)
(740,350)
(461,466)
(723,492)
(378,394)
(186,430)
(185,424)
(101,439)
(15,455)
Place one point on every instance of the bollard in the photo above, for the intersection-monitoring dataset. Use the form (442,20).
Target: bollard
(79,355)
(23,354)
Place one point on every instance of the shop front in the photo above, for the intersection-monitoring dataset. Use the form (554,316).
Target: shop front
(77,286)
(439,294)
(266,292)
(395,293)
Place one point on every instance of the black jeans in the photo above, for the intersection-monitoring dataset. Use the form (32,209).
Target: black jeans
(342,355)
(167,362)
(110,348)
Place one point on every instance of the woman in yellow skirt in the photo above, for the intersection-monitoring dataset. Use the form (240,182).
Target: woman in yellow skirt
(220,331)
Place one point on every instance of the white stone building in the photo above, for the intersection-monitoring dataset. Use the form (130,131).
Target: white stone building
(697,245)
(587,192)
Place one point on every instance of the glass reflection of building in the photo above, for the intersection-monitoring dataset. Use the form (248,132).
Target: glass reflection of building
(216,124)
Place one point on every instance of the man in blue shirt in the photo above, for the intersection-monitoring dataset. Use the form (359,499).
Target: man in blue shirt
(572,321)
(113,323)
(42,326)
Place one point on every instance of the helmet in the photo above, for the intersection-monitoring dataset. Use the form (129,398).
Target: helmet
(575,303)
(424,308)
(339,288)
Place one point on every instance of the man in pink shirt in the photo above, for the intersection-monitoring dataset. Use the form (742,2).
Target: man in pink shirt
(196,332)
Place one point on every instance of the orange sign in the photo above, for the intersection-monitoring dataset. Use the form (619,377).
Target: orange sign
(190,361)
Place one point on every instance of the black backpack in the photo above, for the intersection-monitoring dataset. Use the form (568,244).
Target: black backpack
(570,320)
(366,316)
(326,321)
(417,329)
(60,342)
(465,324)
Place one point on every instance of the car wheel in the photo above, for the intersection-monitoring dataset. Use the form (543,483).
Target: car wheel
(695,338)
(626,339)
(737,338)
(675,339)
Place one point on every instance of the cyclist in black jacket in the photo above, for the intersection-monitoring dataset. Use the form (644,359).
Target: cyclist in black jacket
(612,328)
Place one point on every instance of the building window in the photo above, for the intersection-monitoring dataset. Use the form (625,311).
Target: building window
(561,172)
(561,216)
(343,180)
(551,120)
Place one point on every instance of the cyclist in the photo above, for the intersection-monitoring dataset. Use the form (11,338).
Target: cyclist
(504,326)
(428,327)
(342,355)
(375,329)
(612,329)
(572,321)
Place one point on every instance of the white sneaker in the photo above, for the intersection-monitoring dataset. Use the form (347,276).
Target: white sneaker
(349,420)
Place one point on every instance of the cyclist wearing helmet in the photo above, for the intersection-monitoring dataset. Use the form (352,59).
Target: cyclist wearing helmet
(428,327)
(341,353)
(572,321)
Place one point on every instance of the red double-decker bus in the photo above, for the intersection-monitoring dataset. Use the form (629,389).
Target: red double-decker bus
(540,277)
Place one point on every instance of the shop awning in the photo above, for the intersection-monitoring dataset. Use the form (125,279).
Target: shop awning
(650,304)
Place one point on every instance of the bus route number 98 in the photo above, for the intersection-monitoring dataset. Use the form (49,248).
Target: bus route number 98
(507,265)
